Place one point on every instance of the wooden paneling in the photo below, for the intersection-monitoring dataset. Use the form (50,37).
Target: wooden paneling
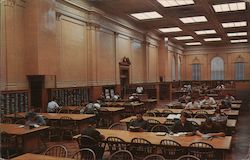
(153,64)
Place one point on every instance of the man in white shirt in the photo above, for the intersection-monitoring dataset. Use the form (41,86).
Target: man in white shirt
(208,101)
(194,104)
(52,106)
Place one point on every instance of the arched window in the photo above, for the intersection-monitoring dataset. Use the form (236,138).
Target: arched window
(217,68)
(179,68)
(173,68)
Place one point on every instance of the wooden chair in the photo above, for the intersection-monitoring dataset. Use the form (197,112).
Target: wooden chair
(20,121)
(169,123)
(189,113)
(8,145)
(118,126)
(121,155)
(201,112)
(149,114)
(166,112)
(7,120)
(188,157)
(202,150)
(200,116)
(63,111)
(160,128)
(171,149)
(115,144)
(67,125)
(56,151)
(154,157)
(152,123)
(141,147)
(195,124)
(84,154)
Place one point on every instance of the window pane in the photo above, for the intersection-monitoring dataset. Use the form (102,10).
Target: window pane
(217,68)
(196,71)
(239,71)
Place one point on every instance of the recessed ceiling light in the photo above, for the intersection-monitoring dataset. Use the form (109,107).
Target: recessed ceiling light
(212,39)
(201,32)
(146,15)
(236,34)
(229,7)
(194,19)
(184,37)
(234,24)
(193,44)
(170,30)
(239,41)
(173,3)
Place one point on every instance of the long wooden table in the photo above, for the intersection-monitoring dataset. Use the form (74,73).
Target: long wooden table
(30,156)
(221,143)
(80,119)
(30,137)
(231,123)
(210,112)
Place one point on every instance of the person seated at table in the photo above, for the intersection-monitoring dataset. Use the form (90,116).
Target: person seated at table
(207,101)
(92,108)
(53,106)
(139,90)
(183,99)
(210,129)
(225,104)
(133,98)
(138,124)
(33,118)
(93,133)
(218,117)
(183,125)
(194,104)
(116,97)
(229,98)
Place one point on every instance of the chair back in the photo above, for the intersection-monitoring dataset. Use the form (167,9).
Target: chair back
(118,126)
(121,155)
(169,122)
(7,120)
(154,157)
(149,114)
(115,144)
(188,157)
(160,128)
(202,150)
(85,141)
(84,154)
(20,121)
(200,116)
(171,149)
(56,151)
(166,112)
(189,113)
(141,147)
(63,111)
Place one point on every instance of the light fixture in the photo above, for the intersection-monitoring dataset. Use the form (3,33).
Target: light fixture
(239,41)
(184,37)
(201,32)
(146,15)
(212,39)
(230,7)
(195,19)
(173,3)
(234,24)
(170,30)
(193,43)
(236,34)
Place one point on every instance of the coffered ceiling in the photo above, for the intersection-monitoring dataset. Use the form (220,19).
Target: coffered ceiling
(199,33)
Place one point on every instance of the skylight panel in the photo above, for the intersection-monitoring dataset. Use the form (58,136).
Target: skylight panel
(234,24)
(236,34)
(193,43)
(212,39)
(184,37)
(174,3)
(170,30)
(239,41)
(227,7)
(146,15)
(195,19)
(202,32)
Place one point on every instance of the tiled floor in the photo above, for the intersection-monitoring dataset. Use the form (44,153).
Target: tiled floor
(240,143)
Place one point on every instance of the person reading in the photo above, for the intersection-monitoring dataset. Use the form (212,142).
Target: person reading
(194,104)
(53,106)
(139,124)
(183,125)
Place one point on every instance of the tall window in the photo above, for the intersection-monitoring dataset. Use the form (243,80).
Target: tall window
(179,68)
(239,71)
(173,69)
(217,68)
(196,71)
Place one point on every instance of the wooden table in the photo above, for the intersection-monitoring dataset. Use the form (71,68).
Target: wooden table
(221,143)
(236,102)
(231,123)
(30,137)
(30,156)
(210,112)
(80,119)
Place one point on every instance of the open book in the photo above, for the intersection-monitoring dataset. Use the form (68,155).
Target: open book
(134,129)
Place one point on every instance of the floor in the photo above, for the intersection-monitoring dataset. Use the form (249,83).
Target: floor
(240,143)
